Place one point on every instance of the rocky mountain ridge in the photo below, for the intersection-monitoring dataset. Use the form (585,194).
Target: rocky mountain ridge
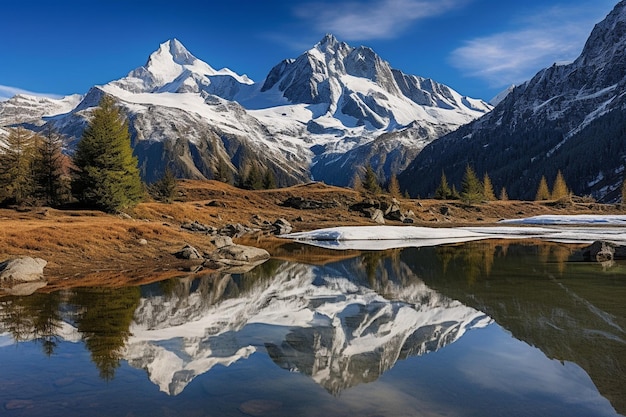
(322,115)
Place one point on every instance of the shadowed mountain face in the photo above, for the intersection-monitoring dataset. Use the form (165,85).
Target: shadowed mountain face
(567,117)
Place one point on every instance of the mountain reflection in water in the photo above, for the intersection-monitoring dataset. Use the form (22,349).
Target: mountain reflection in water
(343,323)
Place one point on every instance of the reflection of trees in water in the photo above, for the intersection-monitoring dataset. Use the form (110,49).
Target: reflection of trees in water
(474,259)
(103,318)
(32,317)
(572,311)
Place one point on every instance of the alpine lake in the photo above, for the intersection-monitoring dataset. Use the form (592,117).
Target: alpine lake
(488,328)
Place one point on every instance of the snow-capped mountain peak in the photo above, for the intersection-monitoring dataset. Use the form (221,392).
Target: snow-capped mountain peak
(173,68)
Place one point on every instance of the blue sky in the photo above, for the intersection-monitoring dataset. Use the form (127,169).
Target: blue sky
(478,47)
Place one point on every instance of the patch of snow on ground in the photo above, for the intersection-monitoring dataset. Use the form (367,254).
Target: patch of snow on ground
(565,229)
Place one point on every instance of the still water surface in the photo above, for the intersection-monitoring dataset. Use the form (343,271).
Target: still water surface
(479,329)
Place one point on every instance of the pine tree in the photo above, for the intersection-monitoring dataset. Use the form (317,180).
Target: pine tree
(357,183)
(624,193)
(454,194)
(488,193)
(559,190)
(165,188)
(543,192)
(471,188)
(51,180)
(503,194)
(443,191)
(269,179)
(223,172)
(252,178)
(106,174)
(16,166)
(371,183)
(394,187)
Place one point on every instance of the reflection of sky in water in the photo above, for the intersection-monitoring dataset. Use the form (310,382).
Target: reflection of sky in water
(488,370)
(510,367)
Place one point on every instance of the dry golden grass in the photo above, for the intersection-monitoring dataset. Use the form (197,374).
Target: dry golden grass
(92,248)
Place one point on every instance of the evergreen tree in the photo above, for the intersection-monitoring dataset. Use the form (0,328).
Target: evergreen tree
(251,178)
(488,193)
(370,183)
(503,194)
(223,172)
(454,194)
(269,179)
(165,188)
(543,192)
(443,191)
(357,183)
(471,188)
(106,175)
(51,182)
(624,193)
(559,190)
(16,166)
(394,187)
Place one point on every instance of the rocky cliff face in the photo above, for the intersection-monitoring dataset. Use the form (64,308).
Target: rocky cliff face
(567,117)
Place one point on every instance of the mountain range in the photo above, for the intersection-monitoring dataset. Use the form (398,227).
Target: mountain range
(568,117)
(335,109)
(320,116)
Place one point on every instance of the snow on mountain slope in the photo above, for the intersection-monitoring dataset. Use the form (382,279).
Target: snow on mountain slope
(341,99)
(172,68)
(323,115)
(26,108)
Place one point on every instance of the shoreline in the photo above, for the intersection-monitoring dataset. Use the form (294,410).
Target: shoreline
(89,248)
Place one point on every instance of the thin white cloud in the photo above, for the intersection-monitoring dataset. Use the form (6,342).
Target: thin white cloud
(512,57)
(6,92)
(385,19)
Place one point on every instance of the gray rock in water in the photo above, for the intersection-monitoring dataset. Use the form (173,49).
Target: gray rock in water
(602,251)
(23,269)
(236,258)
(188,252)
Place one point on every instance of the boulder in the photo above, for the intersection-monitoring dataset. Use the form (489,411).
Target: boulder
(306,204)
(377,216)
(236,259)
(281,227)
(234,230)
(603,251)
(395,215)
(188,252)
(221,241)
(195,226)
(23,269)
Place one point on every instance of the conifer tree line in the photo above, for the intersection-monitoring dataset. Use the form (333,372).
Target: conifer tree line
(473,190)
(102,174)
